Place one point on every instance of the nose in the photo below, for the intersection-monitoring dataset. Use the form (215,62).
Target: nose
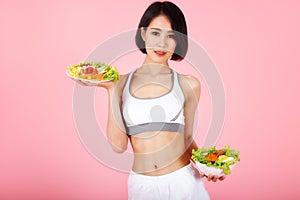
(162,41)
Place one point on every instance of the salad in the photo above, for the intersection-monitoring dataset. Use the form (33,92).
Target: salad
(215,162)
(95,71)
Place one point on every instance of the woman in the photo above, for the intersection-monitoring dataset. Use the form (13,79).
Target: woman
(153,107)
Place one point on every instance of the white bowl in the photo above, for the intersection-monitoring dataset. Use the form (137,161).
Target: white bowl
(211,170)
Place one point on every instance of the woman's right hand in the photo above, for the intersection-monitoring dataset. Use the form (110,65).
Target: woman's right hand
(107,85)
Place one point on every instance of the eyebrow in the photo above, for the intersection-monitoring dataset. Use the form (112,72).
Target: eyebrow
(159,29)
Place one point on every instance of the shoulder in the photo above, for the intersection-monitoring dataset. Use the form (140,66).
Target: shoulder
(190,85)
(121,83)
(189,82)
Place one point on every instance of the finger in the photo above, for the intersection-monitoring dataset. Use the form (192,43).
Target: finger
(83,83)
(222,178)
(202,175)
(209,177)
(214,178)
(78,81)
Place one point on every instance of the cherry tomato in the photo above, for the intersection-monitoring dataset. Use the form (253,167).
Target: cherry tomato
(89,70)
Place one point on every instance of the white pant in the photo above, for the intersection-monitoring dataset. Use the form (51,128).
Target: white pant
(184,183)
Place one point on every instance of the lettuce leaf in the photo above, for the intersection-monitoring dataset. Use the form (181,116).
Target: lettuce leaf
(201,155)
(111,74)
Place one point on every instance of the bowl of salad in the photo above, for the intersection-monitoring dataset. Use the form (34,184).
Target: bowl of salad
(217,162)
(93,72)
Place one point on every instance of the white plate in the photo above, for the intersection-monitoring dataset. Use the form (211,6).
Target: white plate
(211,170)
(86,80)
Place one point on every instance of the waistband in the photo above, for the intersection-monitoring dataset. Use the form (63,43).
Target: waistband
(186,169)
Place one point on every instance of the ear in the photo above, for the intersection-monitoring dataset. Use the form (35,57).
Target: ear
(143,33)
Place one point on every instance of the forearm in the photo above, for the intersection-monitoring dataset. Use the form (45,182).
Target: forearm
(192,145)
(116,133)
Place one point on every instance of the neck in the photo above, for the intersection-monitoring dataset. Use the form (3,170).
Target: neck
(154,68)
(148,60)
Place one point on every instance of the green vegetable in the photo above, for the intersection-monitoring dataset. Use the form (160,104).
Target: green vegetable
(110,73)
(213,157)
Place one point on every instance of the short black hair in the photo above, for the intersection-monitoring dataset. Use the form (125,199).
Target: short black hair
(178,24)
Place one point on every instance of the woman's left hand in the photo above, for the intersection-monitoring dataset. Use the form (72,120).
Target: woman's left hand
(213,178)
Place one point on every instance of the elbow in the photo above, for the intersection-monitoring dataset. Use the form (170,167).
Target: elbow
(118,146)
(118,149)
(117,139)
(189,140)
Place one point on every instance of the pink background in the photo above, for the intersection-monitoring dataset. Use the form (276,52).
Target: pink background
(255,45)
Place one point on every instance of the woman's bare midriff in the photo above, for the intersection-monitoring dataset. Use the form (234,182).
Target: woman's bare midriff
(158,153)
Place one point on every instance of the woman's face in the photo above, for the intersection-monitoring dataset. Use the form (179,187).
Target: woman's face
(159,40)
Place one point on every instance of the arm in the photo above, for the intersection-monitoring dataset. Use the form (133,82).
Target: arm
(192,90)
(116,133)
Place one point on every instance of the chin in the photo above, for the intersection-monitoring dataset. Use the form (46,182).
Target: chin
(159,60)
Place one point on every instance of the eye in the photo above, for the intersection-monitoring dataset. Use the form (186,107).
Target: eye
(172,36)
(155,33)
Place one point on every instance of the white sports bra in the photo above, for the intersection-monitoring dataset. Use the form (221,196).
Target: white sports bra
(163,113)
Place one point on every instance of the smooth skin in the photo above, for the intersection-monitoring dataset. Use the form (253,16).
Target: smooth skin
(157,152)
